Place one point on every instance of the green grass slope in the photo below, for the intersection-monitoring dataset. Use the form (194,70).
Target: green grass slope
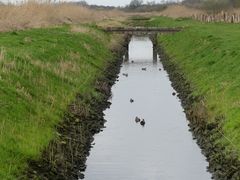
(209,56)
(41,70)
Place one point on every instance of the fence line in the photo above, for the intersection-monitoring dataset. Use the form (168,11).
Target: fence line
(218,17)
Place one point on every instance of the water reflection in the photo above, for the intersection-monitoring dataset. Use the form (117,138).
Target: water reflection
(155,54)
(161,150)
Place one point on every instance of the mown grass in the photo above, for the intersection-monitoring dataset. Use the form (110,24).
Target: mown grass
(41,71)
(209,57)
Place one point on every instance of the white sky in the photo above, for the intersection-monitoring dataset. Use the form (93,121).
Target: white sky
(113,2)
(101,2)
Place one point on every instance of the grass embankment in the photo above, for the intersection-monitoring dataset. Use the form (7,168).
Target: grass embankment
(209,57)
(41,71)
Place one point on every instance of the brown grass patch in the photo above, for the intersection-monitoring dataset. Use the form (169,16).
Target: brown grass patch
(176,11)
(34,15)
(6,66)
(21,90)
(64,67)
(61,68)
(115,43)
(2,53)
(80,29)
(114,22)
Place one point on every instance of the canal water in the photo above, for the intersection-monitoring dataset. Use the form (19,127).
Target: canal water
(163,149)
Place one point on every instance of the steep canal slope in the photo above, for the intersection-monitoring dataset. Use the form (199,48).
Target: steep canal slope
(204,64)
(163,148)
(41,71)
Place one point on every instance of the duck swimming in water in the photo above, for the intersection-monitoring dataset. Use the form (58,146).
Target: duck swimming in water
(131,100)
(144,69)
(143,122)
(125,74)
(137,119)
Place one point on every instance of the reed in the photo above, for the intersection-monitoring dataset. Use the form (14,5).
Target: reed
(44,14)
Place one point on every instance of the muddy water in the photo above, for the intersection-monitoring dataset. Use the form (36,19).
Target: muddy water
(161,150)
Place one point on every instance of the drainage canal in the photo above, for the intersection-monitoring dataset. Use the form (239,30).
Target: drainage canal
(163,148)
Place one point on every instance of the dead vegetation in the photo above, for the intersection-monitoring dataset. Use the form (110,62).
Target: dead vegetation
(2,52)
(34,15)
(176,11)
(218,17)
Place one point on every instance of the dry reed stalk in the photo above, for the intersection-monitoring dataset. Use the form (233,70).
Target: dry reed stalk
(227,17)
(2,53)
(33,15)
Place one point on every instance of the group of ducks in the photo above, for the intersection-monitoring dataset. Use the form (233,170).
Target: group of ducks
(126,74)
(142,122)
(137,119)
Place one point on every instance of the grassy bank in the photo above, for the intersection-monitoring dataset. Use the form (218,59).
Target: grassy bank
(208,55)
(41,71)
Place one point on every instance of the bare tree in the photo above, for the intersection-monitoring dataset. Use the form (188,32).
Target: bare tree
(135,4)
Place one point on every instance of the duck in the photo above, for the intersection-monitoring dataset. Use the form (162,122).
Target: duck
(142,122)
(160,69)
(125,74)
(137,119)
(132,61)
(144,69)
(131,100)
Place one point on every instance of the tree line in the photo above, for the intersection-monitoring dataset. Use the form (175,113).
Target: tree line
(140,6)
(215,5)
(134,5)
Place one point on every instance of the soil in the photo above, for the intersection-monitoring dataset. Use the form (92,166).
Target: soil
(66,155)
(222,165)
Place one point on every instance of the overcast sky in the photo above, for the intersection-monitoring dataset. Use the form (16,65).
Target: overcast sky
(113,2)
(100,2)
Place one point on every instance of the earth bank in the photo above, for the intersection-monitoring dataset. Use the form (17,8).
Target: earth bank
(41,71)
(205,76)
